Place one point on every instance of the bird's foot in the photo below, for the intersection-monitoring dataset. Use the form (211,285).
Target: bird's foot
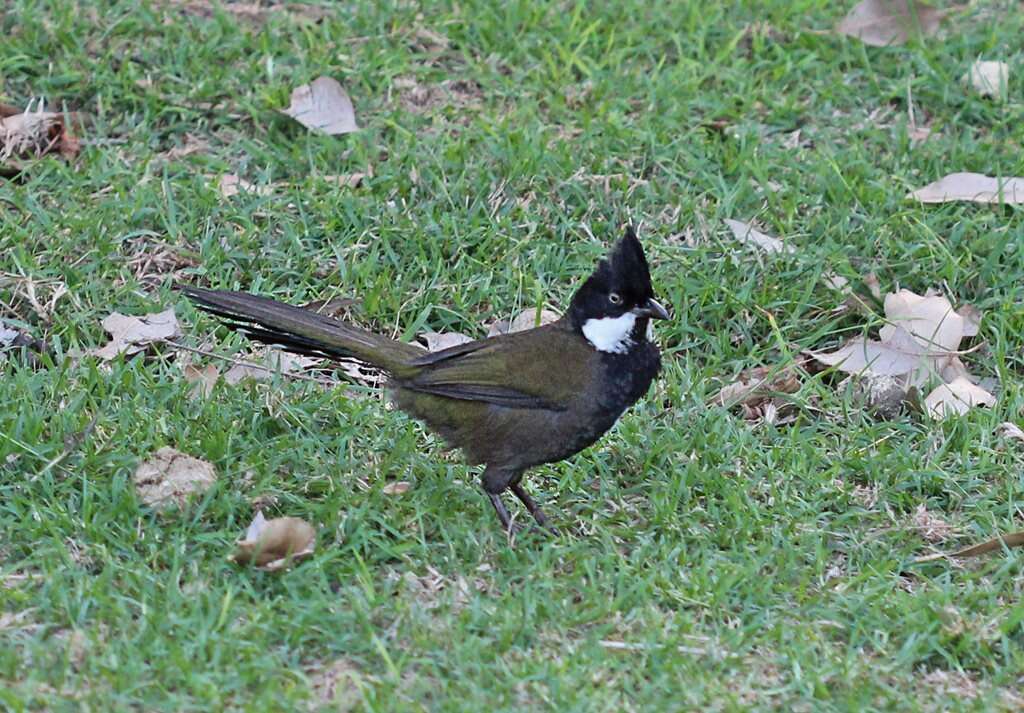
(511,526)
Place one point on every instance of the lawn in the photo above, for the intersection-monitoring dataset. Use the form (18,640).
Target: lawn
(704,561)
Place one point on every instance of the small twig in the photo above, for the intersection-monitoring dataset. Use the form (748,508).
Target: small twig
(1014,539)
(629,646)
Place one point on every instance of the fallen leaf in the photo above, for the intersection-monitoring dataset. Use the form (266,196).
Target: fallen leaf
(881,23)
(901,354)
(171,478)
(527,319)
(835,282)
(1014,539)
(396,488)
(757,391)
(971,316)
(1011,430)
(26,345)
(8,336)
(437,341)
(230,185)
(193,144)
(919,345)
(956,398)
(989,79)
(361,373)
(749,236)
(323,106)
(930,526)
(272,544)
(34,133)
(202,380)
(974,187)
(929,318)
(346,180)
(130,335)
(263,367)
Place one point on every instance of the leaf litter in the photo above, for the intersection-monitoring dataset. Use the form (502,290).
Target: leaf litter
(202,380)
(527,319)
(748,235)
(271,545)
(974,187)
(988,78)
(171,478)
(882,23)
(131,335)
(918,346)
(35,132)
(323,105)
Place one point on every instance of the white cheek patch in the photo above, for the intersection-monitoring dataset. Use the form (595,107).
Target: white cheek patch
(611,334)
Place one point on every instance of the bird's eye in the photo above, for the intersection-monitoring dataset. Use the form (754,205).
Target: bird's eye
(615,298)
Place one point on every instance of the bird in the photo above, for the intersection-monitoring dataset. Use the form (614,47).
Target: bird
(510,402)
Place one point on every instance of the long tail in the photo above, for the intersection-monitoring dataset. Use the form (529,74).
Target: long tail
(300,330)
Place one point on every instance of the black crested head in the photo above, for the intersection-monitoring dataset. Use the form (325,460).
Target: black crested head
(620,284)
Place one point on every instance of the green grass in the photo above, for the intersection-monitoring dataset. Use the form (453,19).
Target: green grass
(753,547)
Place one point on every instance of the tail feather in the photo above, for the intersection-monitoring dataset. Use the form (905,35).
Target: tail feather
(300,330)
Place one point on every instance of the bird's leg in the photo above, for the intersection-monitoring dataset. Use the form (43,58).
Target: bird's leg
(531,505)
(506,519)
(495,481)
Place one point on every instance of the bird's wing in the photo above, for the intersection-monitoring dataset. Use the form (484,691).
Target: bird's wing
(537,369)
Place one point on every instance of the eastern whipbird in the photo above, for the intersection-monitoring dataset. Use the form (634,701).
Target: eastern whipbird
(509,402)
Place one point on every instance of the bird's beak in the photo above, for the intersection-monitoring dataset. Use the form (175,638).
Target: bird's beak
(651,309)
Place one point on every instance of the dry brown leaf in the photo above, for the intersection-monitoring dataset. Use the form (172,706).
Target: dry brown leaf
(396,488)
(323,106)
(835,282)
(273,361)
(346,180)
(130,335)
(930,319)
(901,354)
(272,544)
(753,385)
(881,23)
(956,398)
(202,380)
(749,236)
(971,316)
(1008,429)
(527,319)
(930,526)
(1014,539)
(230,185)
(363,374)
(171,478)
(34,133)
(974,187)
(918,346)
(437,341)
(989,79)
(193,145)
